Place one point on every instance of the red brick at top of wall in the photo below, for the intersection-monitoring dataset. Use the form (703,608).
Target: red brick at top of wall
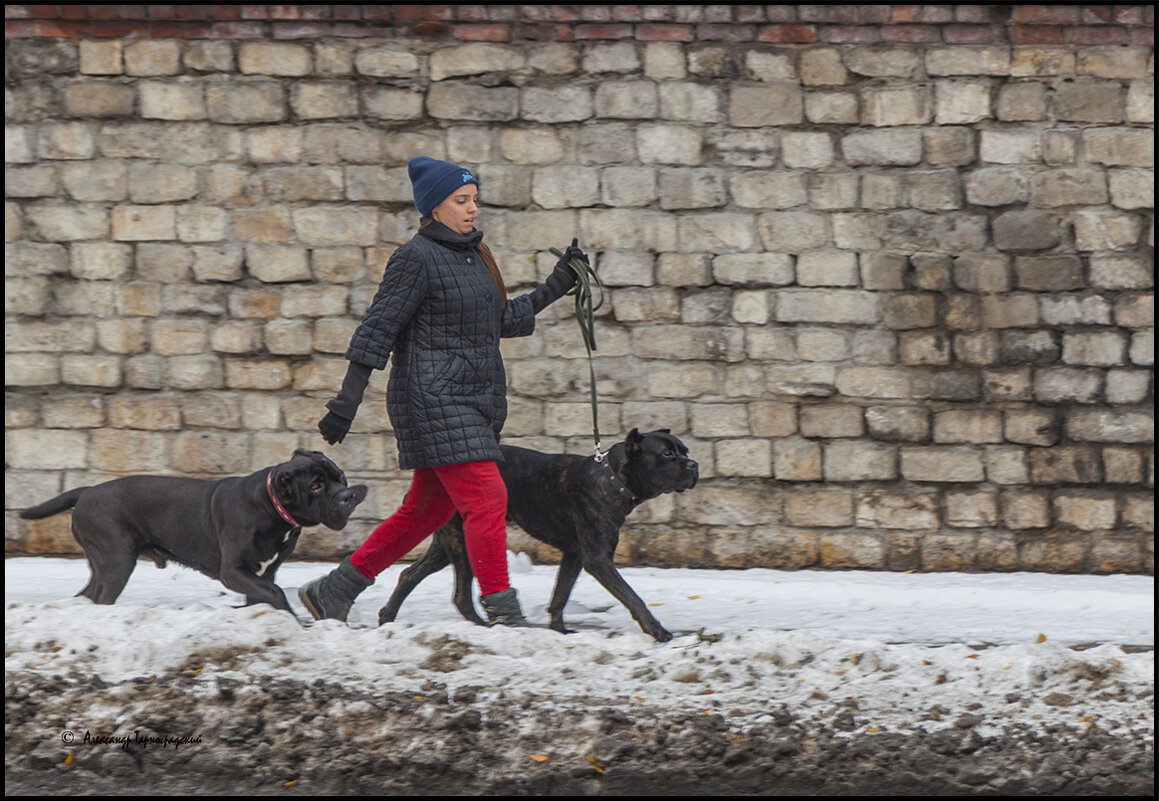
(778,24)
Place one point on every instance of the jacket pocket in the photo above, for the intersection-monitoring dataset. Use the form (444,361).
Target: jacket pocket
(458,376)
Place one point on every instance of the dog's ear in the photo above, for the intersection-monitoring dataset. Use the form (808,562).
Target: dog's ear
(305,454)
(634,439)
(284,481)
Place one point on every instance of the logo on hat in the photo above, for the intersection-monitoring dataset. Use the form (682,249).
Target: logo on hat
(468,178)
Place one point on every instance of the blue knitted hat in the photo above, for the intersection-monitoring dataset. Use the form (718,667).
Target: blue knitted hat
(433,181)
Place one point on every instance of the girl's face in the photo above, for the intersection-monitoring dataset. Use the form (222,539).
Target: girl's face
(458,211)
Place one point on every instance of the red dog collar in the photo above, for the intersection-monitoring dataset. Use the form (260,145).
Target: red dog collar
(289,518)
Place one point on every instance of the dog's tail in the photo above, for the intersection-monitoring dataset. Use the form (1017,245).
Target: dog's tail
(55,506)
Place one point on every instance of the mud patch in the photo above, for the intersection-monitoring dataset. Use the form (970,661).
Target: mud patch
(275,736)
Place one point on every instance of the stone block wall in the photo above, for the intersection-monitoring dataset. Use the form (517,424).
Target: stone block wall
(887,270)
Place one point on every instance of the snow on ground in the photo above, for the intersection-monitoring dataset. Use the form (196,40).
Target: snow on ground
(905,651)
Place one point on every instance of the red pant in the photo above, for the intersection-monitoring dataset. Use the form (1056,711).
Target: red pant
(476,491)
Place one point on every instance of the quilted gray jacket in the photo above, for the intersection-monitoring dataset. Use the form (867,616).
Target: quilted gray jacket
(440,314)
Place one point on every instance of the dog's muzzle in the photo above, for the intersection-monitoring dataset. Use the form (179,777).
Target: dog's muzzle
(692,475)
(344,503)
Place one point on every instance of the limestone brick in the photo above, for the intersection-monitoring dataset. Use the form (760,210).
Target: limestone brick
(557,104)
(1042,61)
(997,186)
(1010,146)
(950,146)
(386,62)
(767,104)
(209,56)
(1088,102)
(971,509)
(611,57)
(1116,147)
(689,102)
(834,306)
(144,223)
(968,60)
(1085,513)
(668,144)
(93,370)
(319,101)
(690,188)
(961,102)
(101,57)
(894,106)
(627,100)
(820,508)
(1111,271)
(246,103)
(1027,230)
(1110,426)
(898,147)
(855,460)
(161,100)
(830,420)
(835,108)
(822,67)
(1022,102)
(822,345)
(152,58)
(662,60)
(974,426)
(462,102)
(914,510)
(796,460)
(898,424)
(1114,62)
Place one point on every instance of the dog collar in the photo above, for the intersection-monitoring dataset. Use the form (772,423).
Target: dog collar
(619,485)
(282,513)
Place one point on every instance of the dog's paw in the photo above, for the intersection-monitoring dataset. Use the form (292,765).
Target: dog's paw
(659,633)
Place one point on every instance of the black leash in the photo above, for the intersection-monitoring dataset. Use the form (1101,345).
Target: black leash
(585,312)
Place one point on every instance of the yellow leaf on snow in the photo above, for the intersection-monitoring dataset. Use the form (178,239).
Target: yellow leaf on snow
(595,763)
(1041,638)
(638,697)
(539,757)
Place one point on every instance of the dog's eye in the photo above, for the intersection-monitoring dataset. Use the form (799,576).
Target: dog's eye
(317,486)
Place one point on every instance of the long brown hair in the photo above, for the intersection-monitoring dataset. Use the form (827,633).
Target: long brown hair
(489,260)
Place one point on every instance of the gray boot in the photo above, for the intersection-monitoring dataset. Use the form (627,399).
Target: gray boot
(332,595)
(502,608)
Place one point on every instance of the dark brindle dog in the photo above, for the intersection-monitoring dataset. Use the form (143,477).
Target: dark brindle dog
(572,503)
(237,530)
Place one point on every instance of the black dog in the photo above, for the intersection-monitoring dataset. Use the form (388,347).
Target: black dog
(572,503)
(238,530)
